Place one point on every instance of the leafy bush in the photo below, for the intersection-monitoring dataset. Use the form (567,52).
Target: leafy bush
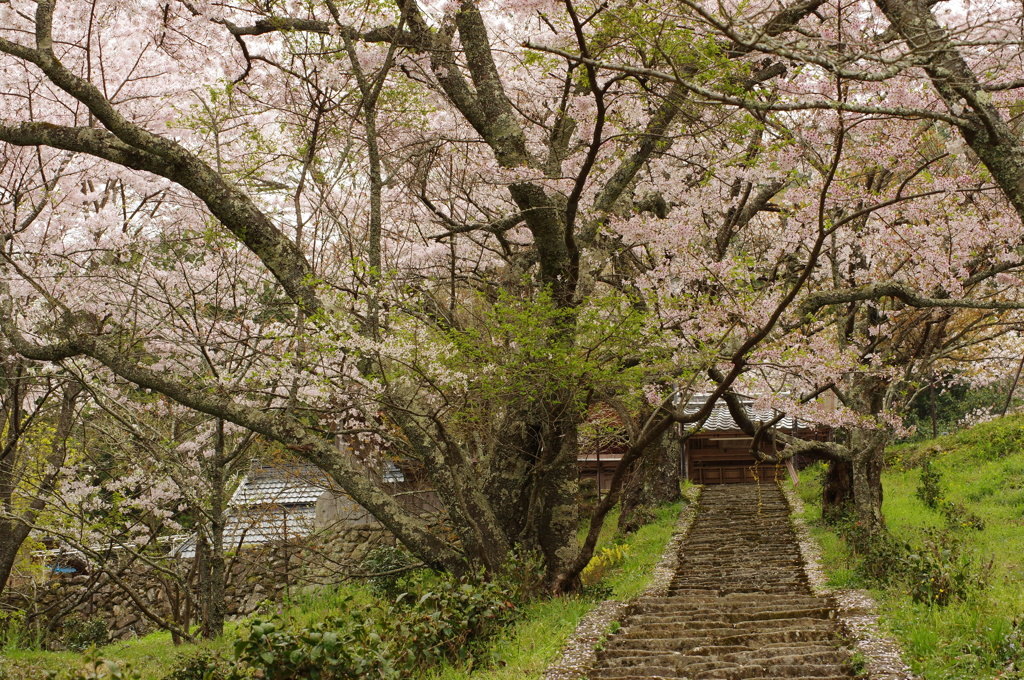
(523,576)
(959,516)
(936,570)
(880,556)
(390,568)
(96,669)
(16,632)
(80,634)
(604,559)
(200,664)
(941,569)
(275,653)
(929,490)
(385,641)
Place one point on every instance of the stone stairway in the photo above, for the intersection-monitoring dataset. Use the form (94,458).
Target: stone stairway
(738,607)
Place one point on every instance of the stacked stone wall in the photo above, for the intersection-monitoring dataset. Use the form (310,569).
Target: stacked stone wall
(266,573)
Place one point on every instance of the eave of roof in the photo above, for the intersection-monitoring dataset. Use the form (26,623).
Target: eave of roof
(721,420)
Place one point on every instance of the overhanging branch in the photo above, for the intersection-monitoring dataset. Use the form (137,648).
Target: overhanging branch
(753,104)
(877,291)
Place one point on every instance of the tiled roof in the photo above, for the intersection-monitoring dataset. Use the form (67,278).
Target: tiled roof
(256,526)
(275,503)
(720,418)
(281,485)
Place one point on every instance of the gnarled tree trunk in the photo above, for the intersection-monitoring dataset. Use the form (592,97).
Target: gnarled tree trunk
(653,481)
(837,490)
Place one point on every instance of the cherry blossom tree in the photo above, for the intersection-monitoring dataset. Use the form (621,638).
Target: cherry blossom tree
(431,240)
(209,158)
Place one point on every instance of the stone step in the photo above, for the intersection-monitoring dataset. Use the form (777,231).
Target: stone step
(731,600)
(703,596)
(737,607)
(624,646)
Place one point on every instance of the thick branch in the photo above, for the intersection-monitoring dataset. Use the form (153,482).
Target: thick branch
(876,291)
(654,141)
(230,205)
(980,121)
(793,445)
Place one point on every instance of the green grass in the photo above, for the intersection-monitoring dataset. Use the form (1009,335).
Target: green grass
(983,470)
(526,648)
(523,650)
(152,655)
(155,654)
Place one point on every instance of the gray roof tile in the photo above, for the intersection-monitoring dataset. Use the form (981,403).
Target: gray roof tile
(256,526)
(281,485)
(720,418)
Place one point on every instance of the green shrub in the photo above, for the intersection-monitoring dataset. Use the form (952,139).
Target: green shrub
(390,568)
(605,558)
(523,576)
(386,641)
(17,633)
(880,557)
(959,516)
(80,633)
(200,664)
(941,569)
(275,653)
(929,490)
(937,570)
(96,669)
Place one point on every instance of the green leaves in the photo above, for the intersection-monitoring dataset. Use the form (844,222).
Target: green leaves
(387,641)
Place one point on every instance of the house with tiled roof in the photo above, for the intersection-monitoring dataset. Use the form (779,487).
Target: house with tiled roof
(277,502)
(719,453)
(272,503)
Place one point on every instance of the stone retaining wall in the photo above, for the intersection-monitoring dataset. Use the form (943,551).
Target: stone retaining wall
(272,572)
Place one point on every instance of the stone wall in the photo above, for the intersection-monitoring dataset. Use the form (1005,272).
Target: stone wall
(271,572)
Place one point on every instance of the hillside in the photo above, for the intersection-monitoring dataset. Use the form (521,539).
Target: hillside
(950,581)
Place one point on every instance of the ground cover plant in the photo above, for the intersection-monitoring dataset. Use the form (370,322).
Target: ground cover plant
(948,577)
(295,639)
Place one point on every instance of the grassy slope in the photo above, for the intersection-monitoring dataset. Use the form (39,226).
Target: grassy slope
(523,651)
(983,469)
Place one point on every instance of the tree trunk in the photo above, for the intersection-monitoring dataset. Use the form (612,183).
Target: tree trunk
(868,461)
(205,583)
(14,529)
(837,496)
(213,589)
(213,624)
(513,468)
(12,535)
(653,481)
(558,508)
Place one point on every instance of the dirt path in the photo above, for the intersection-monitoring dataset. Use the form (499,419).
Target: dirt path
(738,606)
